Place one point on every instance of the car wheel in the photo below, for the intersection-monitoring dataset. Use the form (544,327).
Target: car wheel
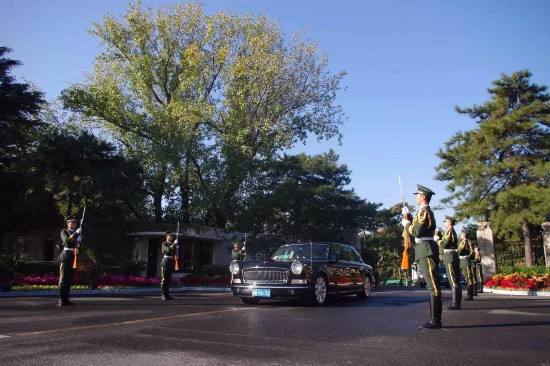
(320,291)
(250,300)
(366,291)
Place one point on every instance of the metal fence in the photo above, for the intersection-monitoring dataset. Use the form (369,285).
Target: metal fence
(513,253)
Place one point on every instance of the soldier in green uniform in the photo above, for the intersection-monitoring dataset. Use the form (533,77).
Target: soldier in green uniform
(449,245)
(426,251)
(473,265)
(465,251)
(169,247)
(237,253)
(71,238)
(479,269)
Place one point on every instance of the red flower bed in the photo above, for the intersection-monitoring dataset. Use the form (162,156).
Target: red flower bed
(519,281)
(125,281)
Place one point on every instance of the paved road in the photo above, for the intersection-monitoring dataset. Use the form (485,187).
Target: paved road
(216,329)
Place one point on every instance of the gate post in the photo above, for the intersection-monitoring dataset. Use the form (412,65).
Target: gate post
(546,242)
(487,248)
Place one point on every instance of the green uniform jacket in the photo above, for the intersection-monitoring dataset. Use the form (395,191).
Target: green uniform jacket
(68,238)
(237,254)
(423,226)
(167,248)
(449,240)
(465,251)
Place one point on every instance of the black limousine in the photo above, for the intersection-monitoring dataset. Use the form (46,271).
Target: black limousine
(309,271)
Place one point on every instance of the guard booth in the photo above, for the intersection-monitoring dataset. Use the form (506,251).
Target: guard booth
(209,247)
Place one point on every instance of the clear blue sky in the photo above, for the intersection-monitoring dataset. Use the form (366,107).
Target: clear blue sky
(409,63)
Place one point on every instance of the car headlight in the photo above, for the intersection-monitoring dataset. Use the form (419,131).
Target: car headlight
(296,267)
(234,267)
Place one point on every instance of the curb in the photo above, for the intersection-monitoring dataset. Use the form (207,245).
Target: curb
(110,292)
(517,292)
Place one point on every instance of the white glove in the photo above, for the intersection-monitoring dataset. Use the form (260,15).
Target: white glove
(436,238)
(176,241)
(177,247)
(404,210)
(405,223)
(79,231)
(78,241)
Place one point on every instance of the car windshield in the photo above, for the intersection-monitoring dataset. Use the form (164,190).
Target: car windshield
(301,251)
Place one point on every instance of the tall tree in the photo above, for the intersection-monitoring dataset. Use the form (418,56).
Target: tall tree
(503,166)
(204,101)
(19,106)
(20,202)
(79,169)
(306,198)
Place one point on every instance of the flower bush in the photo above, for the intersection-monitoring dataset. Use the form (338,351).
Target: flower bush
(49,281)
(520,281)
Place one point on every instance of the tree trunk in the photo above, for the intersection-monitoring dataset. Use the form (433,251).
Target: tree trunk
(158,187)
(527,239)
(184,196)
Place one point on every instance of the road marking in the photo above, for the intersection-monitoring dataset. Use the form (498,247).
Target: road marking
(4,336)
(68,329)
(511,312)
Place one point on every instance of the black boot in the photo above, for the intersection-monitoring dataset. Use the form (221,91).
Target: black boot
(457,296)
(480,290)
(64,297)
(436,308)
(166,292)
(470,293)
(475,289)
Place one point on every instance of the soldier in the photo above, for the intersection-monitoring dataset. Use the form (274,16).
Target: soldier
(237,253)
(71,238)
(449,244)
(479,270)
(169,247)
(426,251)
(465,253)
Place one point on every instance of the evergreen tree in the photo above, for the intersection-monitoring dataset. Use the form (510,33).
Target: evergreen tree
(306,199)
(503,166)
(21,200)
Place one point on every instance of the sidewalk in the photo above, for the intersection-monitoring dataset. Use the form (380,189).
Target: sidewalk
(517,292)
(111,291)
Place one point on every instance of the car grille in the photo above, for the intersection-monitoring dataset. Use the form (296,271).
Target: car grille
(263,275)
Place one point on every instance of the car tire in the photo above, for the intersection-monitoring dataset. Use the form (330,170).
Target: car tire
(250,300)
(366,291)
(319,292)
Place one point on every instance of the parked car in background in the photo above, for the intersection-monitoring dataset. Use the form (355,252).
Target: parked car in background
(443,279)
(309,271)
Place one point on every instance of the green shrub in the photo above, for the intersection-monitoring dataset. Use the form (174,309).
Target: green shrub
(40,268)
(535,270)
(133,267)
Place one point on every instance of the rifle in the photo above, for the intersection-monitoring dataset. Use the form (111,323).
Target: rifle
(243,250)
(176,251)
(80,237)
(405,262)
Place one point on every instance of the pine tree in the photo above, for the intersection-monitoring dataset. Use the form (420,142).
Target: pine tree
(503,166)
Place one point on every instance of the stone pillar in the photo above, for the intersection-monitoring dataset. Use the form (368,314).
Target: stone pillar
(352,238)
(486,247)
(546,242)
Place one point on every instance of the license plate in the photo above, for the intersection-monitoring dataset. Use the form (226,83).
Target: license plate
(261,292)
